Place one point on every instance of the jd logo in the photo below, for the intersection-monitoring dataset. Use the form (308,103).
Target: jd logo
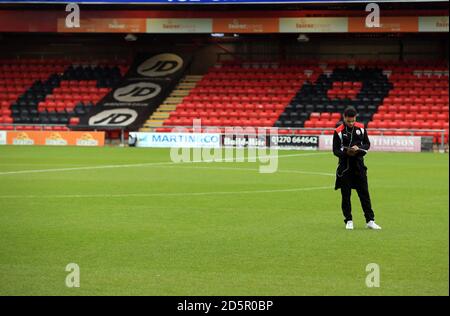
(160,65)
(137,92)
(116,117)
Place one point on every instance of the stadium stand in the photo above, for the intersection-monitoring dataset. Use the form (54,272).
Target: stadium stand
(312,95)
(240,94)
(53,93)
(419,100)
(363,88)
(181,91)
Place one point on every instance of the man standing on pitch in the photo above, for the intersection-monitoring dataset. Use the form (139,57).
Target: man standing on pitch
(350,144)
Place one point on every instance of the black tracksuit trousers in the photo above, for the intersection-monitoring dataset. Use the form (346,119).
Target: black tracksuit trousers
(355,180)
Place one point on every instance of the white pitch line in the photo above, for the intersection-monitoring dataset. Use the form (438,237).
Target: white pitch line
(250,169)
(85,168)
(143,164)
(70,196)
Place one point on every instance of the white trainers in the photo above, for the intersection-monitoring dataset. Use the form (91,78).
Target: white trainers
(349,225)
(373,225)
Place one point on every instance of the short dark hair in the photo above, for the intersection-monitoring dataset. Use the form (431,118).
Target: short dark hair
(350,111)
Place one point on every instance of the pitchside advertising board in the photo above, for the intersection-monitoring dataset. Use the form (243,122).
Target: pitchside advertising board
(44,138)
(381,143)
(295,142)
(277,141)
(177,140)
(304,142)
(149,81)
(2,138)
(216,140)
(245,141)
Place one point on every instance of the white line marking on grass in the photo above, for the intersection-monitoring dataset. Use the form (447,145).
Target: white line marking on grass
(124,195)
(250,169)
(149,164)
(309,172)
(85,168)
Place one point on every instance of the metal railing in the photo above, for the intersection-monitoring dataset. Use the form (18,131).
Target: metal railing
(298,56)
(41,126)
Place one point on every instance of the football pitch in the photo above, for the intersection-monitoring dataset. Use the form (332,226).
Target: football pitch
(137,224)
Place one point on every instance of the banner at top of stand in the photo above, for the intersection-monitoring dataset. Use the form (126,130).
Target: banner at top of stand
(209,1)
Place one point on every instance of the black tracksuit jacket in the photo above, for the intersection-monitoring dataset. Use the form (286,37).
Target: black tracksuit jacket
(350,169)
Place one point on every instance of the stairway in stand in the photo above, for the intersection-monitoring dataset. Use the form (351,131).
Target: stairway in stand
(162,113)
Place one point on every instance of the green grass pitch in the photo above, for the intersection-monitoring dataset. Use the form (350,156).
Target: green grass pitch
(217,228)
